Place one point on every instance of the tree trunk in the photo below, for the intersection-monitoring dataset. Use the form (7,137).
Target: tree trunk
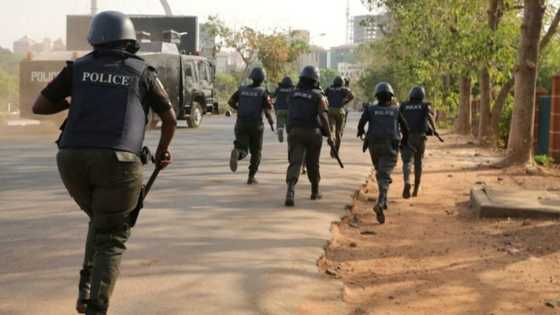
(506,89)
(484,122)
(520,145)
(464,120)
(498,109)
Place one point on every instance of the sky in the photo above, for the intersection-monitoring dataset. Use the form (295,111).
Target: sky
(46,18)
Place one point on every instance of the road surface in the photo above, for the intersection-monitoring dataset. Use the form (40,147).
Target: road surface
(205,244)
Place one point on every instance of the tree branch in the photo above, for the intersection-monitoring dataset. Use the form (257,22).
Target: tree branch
(551,31)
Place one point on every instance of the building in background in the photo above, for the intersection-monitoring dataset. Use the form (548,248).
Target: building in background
(207,43)
(26,45)
(367,28)
(341,54)
(351,70)
(229,61)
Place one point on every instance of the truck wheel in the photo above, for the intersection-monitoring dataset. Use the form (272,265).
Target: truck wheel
(195,118)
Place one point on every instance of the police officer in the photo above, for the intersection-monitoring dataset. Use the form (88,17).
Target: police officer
(307,122)
(338,96)
(250,102)
(418,115)
(281,105)
(111,91)
(385,126)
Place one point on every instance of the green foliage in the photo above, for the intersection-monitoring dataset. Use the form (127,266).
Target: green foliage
(544,160)
(505,123)
(226,84)
(8,79)
(435,47)
(550,65)
(327,77)
(276,52)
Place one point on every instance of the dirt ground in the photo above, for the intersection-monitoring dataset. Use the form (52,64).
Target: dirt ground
(434,256)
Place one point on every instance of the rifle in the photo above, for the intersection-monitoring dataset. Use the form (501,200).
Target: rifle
(146,158)
(334,154)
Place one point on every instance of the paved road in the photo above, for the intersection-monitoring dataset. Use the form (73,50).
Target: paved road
(206,244)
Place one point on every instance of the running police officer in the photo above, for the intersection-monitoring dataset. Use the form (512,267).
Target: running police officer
(307,122)
(281,105)
(385,125)
(111,92)
(250,102)
(338,96)
(417,115)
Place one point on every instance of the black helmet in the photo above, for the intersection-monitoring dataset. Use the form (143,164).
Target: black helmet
(111,26)
(257,74)
(384,88)
(310,72)
(287,82)
(338,81)
(417,93)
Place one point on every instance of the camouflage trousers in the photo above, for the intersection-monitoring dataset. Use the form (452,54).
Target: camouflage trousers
(304,148)
(384,154)
(281,123)
(106,185)
(337,122)
(409,157)
(249,139)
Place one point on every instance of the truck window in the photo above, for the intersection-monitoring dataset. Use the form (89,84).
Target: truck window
(203,71)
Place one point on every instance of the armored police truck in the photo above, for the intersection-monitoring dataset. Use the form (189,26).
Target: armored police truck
(188,79)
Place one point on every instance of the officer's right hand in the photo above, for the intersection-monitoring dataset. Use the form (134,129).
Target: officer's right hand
(330,142)
(163,158)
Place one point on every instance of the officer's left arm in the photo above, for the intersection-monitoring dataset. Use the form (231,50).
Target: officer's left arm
(234,100)
(43,106)
(52,99)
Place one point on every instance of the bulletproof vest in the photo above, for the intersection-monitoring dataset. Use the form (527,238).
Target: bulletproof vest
(384,122)
(416,116)
(106,110)
(336,95)
(282,96)
(251,103)
(303,110)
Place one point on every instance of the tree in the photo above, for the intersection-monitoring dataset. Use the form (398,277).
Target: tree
(520,142)
(244,41)
(277,51)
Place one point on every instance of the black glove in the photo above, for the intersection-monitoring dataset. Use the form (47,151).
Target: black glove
(360,133)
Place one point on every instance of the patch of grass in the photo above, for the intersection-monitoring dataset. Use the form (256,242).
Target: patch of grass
(544,160)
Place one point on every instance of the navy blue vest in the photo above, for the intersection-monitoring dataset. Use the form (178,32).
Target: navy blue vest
(106,110)
(303,110)
(416,116)
(383,122)
(251,103)
(336,95)
(282,97)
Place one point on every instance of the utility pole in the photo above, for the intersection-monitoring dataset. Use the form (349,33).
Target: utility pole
(93,7)
(349,26)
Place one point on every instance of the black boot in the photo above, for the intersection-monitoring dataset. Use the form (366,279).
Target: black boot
(315,194)
(252,180)
(290,195)
(416,187)
(378,209)
(233,158)
(406,191)
(84,289)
